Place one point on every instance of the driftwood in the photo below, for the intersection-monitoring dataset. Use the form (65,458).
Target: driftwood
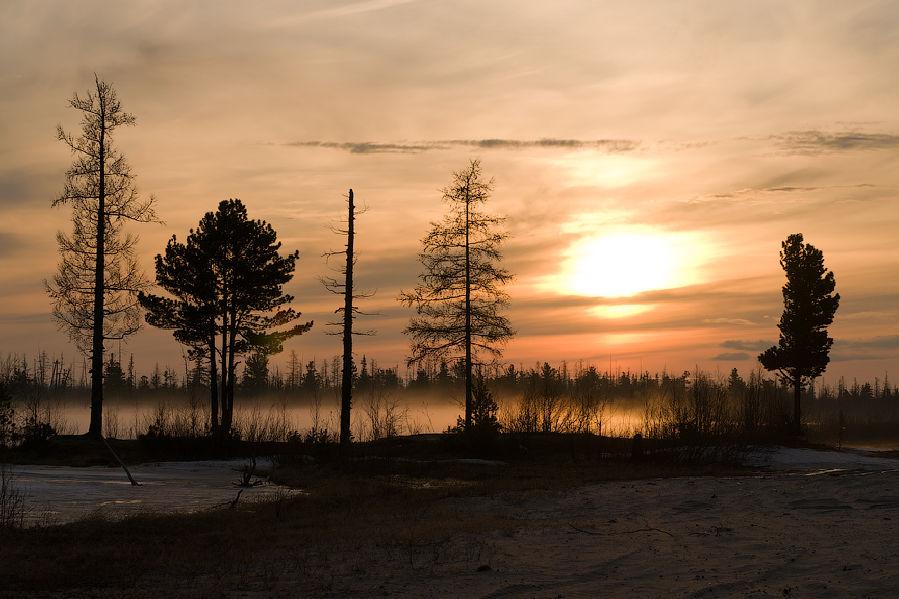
(624,532)
(247,474)
(124,467)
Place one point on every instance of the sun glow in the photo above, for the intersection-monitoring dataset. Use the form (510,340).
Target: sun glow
(611,171)
(619,311)
(625,264)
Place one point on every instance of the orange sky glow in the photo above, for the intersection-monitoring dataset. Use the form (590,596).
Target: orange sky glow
(649,156)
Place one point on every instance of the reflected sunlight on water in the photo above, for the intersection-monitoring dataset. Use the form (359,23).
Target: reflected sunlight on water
(126,419)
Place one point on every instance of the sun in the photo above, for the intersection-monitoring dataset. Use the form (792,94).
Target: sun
(625,264)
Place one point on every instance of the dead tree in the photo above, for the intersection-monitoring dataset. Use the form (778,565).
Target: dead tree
(349,293)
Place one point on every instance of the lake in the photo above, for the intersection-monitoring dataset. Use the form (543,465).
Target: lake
(275,418)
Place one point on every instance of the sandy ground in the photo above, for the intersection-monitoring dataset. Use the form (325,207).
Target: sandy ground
(816,524)
(811,524)
(782,535)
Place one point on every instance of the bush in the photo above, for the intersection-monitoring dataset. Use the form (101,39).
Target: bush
(485,427)
(7,418)
(35,431)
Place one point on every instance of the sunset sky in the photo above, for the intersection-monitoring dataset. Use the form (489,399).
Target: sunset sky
(650,158)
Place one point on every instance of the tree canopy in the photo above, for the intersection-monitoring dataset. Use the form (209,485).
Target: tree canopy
(809,307)
(227,282)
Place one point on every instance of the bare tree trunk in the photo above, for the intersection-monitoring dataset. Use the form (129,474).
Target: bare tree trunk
(213,388)
(797,408)
(96,425)
(347,384)
(228,399)
(468,368)
(224,376)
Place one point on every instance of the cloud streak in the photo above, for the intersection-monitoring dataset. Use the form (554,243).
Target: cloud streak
(769,194)
(879,342)
(735,357)
(814,142)
(737,321)
(760,345)
(610,146)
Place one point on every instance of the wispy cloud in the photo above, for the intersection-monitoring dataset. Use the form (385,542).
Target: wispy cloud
(870,316)
(10,243)
(767,194)
(819,142)
(880,342)
(844,350)
(610,146)
(730,357)
(347,10)
(738,321)
(760,345)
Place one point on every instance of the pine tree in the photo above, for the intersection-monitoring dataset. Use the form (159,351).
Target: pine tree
(227,285)
(809,307)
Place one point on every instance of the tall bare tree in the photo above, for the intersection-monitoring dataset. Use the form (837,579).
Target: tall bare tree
(349,293)
(94,290)
(460,295)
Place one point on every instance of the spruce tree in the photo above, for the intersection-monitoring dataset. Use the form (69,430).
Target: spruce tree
(801,354)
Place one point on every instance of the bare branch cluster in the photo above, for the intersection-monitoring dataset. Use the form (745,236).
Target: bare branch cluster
(461,282)
(72,288)
(460,294)
(339,286)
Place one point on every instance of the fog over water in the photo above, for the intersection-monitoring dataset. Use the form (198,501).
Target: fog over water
(410,414)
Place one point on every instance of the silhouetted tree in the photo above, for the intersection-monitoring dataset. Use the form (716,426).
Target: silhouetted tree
(255,373)
(809,307)
(156,378)
(114,377)
(94,289)
(349,293)
(363,380)
(311,380)
(227,280)
(460,295)
(294,371)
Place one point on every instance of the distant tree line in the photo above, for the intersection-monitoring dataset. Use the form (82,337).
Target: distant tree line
(307,379)
(693,407)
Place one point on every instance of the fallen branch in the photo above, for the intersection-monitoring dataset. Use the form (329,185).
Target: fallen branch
(124,467)
(230,503)
(626,532)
